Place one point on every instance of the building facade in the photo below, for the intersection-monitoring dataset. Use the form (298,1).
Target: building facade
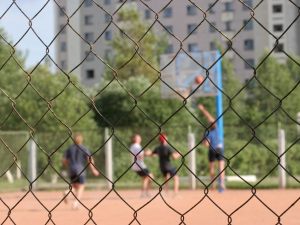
(247,30)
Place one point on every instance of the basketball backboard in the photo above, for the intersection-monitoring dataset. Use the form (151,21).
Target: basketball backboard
(181,74)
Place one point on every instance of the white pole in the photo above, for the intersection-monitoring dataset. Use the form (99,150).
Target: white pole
(32,163)
(192,160)
(108,158)
(18,170)
(298,121)
(281,150)
(9,176)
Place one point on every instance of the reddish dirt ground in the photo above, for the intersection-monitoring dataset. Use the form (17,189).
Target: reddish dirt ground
(113,211)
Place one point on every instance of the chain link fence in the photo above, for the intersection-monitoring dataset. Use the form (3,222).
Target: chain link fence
(113,81)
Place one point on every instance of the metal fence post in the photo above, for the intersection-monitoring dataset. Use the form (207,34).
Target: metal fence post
(192,160)
(18,170)
(32,163)
(298,125)
(108,158)
(281,150)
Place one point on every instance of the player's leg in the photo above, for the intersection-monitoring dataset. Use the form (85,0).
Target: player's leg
(212,158)
(221,166)
(176,184)
(172,172)
(79,187)
(212,173)
(73,182)
(147,184)
(146,180)
(145,189)
(167,177)
(222,175)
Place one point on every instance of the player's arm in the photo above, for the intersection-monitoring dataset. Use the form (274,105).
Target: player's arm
(65,160)
(176,155)
(140,156)
(92,167)
(149,152)
(207,115)
(205,142)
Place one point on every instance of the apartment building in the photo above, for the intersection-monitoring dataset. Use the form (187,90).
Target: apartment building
(250,29)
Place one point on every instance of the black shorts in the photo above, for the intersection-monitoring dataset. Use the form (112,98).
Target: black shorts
(77,179)
(166,171)
(143,173)
(215,154)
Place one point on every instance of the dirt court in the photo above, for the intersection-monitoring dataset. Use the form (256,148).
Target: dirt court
(113,211)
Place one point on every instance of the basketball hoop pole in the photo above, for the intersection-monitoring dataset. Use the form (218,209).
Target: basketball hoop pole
(219,100)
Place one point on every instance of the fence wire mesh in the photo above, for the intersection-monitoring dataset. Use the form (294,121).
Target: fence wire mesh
(52,131)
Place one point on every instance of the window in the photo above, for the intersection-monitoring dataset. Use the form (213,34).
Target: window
(277,27)
(248,44)
(248,25)
(212,28)
(89,56)
(277,8)
(89,37)
(88,20)
(168,12)
(169,28)
(228,6)
(191,27)
(62,11)
(212,46)
(249,63)
(107,18)
(191,10)
(63,46)
(169,49)
(228,45)
(147,14)
(211,9)
(249,3)
(88,3)
(63,65)
(279,48)
(193,47)
(62,29)
(108,35)
(90,74)
(228,26)
(108,54)
(107,2)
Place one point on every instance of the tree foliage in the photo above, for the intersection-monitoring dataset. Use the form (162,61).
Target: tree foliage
(136,48)
(133,107)
(271,91)
(38,99)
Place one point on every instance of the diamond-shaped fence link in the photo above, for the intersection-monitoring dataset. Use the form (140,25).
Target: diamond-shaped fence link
(43,111)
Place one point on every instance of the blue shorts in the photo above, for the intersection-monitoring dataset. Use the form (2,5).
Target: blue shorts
(215,154)
(143,173)
(75,179)
(166,171)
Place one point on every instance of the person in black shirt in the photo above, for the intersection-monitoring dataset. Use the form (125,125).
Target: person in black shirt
(165,152)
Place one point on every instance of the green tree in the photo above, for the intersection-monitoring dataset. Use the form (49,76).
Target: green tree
(41,101)
(268,94)
(46,102)
(135,108)
(136,48)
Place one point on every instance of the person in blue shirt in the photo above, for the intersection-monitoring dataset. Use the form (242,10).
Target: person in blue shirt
(215,149)
(76,159)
